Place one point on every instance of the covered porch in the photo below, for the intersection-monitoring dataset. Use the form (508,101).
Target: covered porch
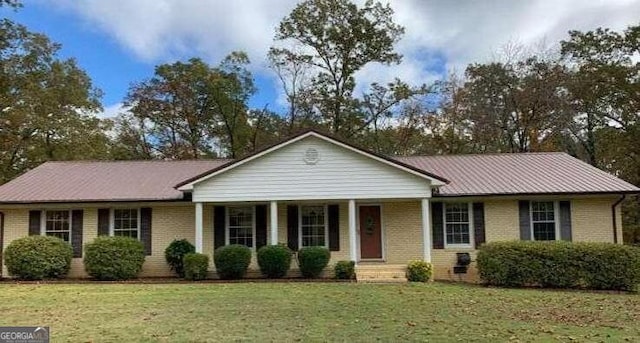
(391,231)
(313,190)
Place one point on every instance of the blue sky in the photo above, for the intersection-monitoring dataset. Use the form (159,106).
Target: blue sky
(120,41)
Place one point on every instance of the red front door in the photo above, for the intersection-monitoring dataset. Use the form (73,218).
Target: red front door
(370,232)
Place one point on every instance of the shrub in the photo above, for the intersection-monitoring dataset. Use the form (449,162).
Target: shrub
(114,258)
(232,261)
(175,252)
(274,260)
(419,271)
(195,266)
(560,265)
(38,257)
(313,260)
(345,270)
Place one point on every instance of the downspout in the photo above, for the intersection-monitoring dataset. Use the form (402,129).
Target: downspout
(1,242)
(615,222)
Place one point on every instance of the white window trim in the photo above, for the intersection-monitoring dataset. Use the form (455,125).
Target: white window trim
(326,224)
(556,218)
(253,224)
(471,230)
(112,221)
(43,223)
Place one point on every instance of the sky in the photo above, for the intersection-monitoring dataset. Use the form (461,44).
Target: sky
(119,42)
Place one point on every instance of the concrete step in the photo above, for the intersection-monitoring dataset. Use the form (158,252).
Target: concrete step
(381,273)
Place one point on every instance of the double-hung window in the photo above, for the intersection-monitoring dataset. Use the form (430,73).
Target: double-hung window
(457,224)
(126,222)
(241,225)
(543,220)
(58,224)
(313,226)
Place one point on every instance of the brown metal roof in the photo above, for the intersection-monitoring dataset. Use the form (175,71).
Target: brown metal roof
(80,181)
(490,174)
(527,173)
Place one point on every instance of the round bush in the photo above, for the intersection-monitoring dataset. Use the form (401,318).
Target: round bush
(274,260)
(38,257)
(232,261)
(114,258)
(419,271)
(195,266)
(345,270)
(175,252)
(313,260)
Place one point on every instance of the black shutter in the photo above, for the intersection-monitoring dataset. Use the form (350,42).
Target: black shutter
(478,223)
(77,217)
(525,222)
(292,227)
(565,220)
(218,226)
(103,222)
(261,226)
(34,222)
(437,223)
(145,229)
(334,227)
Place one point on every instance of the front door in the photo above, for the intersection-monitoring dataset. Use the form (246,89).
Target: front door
(370,232)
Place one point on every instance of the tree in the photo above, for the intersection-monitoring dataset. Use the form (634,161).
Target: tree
(516,107)
(191,110)
(335,39)
(47,104)
(608,97)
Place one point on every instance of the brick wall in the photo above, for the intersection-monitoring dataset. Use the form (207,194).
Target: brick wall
(402,233)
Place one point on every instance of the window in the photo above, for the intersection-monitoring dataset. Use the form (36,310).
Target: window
(313,226)
(543,220)
(58,224)
(126,222)
(240,225)
(457,223)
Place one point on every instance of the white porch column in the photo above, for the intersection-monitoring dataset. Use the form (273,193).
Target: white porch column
(273,216)
(199,227)
(352,231)
(426,229)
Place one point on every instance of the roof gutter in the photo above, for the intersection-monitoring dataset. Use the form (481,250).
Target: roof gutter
(613,216)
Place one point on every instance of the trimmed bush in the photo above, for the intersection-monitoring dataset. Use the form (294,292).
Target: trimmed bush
(419,271)
(114,258)
(195,266)
(175,253)
(274,260)
(560,265)
(313,260)
(232,261)
(345,270)
(38,257)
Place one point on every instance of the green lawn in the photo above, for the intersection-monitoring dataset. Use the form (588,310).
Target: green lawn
(434,312)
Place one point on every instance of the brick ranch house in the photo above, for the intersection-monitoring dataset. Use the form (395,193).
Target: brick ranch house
(312,189)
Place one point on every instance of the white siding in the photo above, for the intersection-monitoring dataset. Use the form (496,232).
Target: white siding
(284,175)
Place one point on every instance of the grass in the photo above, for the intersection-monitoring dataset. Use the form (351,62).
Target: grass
(270,312)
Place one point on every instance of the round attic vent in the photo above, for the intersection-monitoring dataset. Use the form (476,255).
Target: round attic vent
(311,156)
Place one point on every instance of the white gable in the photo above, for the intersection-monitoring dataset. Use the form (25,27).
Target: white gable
(311,168)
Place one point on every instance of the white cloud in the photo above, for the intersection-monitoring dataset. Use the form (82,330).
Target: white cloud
(112,111)
(457,32)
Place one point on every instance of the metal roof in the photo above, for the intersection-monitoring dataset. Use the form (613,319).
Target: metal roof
(489,174)
(80,181)
(523,173)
